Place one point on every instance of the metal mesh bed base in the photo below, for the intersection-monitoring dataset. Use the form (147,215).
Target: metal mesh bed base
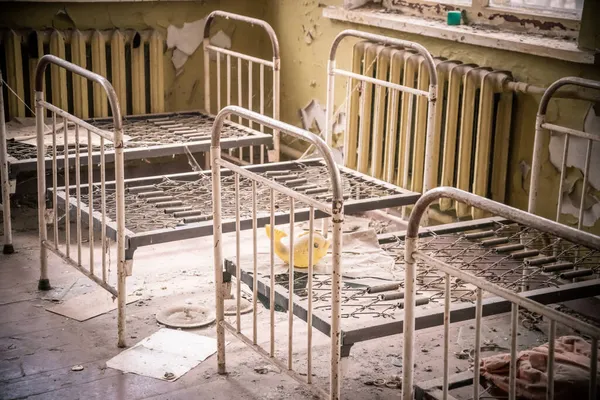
(510,255)
(152,135)
(167,208)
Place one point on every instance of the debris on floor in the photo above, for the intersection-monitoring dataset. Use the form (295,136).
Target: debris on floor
(571,370)
(167,354)
(89,305)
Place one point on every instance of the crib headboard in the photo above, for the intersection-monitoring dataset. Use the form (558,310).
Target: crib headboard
(247,69)
(567,138)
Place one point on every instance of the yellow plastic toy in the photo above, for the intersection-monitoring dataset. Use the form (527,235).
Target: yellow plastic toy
(319,246)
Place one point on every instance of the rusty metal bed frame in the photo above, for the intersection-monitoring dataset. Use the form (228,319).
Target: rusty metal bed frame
(176,133)
(520,260)
(568,256)
(514,257)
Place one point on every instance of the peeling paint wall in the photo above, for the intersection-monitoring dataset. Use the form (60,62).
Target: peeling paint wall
(304,78)
(184,91)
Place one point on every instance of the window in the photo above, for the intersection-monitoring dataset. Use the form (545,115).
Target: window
(553,18)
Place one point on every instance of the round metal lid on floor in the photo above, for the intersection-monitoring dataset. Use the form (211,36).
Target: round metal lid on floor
(231,306)
(186,316)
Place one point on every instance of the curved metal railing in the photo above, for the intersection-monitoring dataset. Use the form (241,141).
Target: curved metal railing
(335,210)
(412,255)
(75,258)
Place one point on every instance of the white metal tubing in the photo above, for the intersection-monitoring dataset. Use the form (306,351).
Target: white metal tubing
(272,274)
(241,56)
(44,283)
(291,286)
(275,64)
(90,182)
(207,106)
(8,240)
(238,259)
(409,319)
(67,173)
(262,108)
(329,107)
(275,185)
(69,117)
(446,335)
(388,41)
(103,208)
(239,86)
(476,361)
(218,82)
(215,154)
(250,94)
(572,132)
(276,105)
(117,140)
(55,180)
(379,82)
(78,193)
(254,265)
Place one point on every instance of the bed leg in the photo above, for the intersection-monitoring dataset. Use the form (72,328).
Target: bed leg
(345,359)
(227,286)
(122,296)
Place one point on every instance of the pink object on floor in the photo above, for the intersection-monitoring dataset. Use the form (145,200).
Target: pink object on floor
(571,370)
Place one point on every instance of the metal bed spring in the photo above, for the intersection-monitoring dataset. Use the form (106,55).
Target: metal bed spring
(176,200)
(159,135)
(543,131)
(512,256)
(48,219)
(151,132)
(163,209)
(516,301)
(335,209)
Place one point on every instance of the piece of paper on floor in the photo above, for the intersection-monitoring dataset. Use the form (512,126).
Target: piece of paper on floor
(167,354)
(89,305)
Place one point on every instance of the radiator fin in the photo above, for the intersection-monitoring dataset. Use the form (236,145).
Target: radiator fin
(138,80)
(386,130)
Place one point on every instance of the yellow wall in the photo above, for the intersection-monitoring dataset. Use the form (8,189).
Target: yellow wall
(304,60)
(184,92)
(304,77)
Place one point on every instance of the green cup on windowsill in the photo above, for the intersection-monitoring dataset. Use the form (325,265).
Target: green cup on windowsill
(454,17)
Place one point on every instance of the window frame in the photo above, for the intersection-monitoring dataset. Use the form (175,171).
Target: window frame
(481,13)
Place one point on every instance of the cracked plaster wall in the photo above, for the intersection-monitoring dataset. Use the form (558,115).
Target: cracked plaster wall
(304,77)
(184,91)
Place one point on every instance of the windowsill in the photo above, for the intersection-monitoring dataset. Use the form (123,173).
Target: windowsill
(530,44)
